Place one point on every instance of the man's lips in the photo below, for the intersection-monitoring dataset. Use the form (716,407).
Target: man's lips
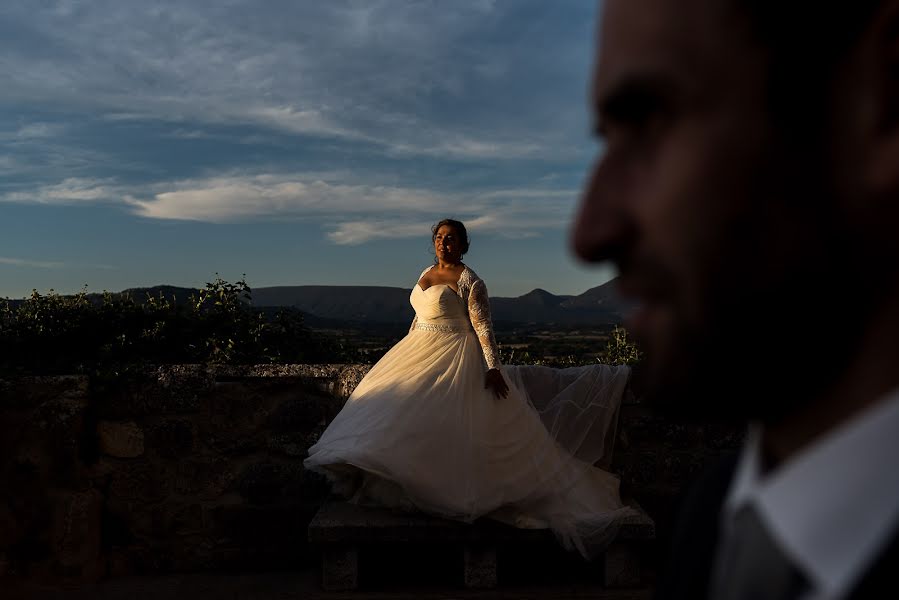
(639,319)
(648,303)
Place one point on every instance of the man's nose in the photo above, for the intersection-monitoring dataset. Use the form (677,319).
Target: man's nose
(603,225)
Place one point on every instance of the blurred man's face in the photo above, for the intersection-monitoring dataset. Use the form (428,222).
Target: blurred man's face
(702,209)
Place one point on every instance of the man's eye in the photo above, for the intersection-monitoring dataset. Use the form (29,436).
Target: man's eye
(640,122)
(634,114)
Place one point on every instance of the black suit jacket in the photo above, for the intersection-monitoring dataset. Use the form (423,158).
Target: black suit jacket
(695,535)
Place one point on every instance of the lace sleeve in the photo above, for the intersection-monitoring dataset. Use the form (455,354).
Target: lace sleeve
(479,312)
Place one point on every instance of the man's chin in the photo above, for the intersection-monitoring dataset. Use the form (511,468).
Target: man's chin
(725,385)
(691,398)
(686,383)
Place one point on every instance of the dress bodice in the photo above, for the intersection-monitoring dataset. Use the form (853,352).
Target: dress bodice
(469,307)
(438,304)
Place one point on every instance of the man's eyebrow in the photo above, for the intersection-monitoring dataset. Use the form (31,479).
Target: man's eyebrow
(629,96)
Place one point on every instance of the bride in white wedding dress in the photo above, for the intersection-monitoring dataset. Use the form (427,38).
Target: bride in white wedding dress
(438,425)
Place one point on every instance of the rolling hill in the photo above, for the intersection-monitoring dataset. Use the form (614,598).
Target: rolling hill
(390,305)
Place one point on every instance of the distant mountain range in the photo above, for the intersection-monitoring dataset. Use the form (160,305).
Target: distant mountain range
(328,304)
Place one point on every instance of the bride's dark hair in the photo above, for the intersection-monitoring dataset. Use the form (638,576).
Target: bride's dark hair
(460,231)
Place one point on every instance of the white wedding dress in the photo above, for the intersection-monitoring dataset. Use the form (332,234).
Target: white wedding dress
(420,431)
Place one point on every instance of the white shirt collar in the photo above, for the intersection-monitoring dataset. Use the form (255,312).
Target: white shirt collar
(834,505)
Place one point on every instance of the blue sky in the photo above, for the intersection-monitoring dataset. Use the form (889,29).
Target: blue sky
(299,142)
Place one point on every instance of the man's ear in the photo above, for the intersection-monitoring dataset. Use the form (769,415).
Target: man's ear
(882,54)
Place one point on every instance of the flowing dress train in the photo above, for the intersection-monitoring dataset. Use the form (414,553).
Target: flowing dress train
(420,431)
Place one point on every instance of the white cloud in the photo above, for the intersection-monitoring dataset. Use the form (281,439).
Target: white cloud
(296,120)
(455,146)
(22,262)
(507,222)
(189,134)
(52,264)
(29,132)
(352,233)
(38,130)
(239,198)
(531,193)
(351,210)
(69,191)
(8,163)
(408,77)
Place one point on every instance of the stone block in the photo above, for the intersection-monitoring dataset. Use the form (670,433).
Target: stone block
(168,389)
(140,399)
(43,444)
(480,566)
(26,506)
(622,566)
(179,402)
(277,528)
(316,488)
(171,438)
(206,478)
(62,419)
(118,563)
(723,437)
(31,391)
(295,445)
(136,481)
(135,520)
(235,419)
(120,440)
(146,558)
(185,518)
(29,467)
(289,444)
(169,520)
(340,568)
(301,412)
(268,482)
(194,553)
(348,378)
(76,535)
(197,378)
(11,530)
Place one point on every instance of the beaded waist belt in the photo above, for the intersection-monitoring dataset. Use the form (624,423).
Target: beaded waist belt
(444,327)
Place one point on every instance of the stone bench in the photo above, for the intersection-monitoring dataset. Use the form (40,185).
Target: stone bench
(340,529)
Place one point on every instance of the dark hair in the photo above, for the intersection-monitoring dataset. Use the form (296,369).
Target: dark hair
(805,41)
(460,231)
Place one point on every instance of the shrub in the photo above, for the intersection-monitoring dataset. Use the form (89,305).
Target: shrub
(621,351)
(49,334)
(618,351)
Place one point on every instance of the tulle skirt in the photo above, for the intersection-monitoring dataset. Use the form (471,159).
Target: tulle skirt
(421,432)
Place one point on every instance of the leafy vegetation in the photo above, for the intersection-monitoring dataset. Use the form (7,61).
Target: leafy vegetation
(112,334)
(50,334)
(620,350)
(569,348)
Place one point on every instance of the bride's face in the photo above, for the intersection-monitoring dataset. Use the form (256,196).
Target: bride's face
(447,244)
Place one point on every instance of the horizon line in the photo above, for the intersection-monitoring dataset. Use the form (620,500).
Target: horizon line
(324,285)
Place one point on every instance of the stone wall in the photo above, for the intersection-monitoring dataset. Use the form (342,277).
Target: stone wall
(193,468)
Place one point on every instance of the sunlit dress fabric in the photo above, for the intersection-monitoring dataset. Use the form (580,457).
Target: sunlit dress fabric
(421,431)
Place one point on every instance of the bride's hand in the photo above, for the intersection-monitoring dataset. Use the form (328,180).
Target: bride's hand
(494,381)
